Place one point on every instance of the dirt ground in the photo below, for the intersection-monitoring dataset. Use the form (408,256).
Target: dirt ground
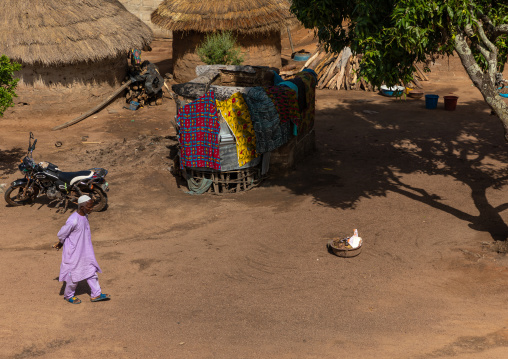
(248,275)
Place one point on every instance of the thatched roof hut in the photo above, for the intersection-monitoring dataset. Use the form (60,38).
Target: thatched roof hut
(69,43)
(256,23)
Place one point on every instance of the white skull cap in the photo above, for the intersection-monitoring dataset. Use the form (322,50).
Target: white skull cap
(83,199)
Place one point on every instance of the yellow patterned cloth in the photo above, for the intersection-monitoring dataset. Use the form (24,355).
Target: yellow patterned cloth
(236,113)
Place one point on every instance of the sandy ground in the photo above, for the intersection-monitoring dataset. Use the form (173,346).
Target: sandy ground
(248,275)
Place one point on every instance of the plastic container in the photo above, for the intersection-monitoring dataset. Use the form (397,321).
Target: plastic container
(133,105)
(301,56)
(431,101)
(450,103)
(396,91)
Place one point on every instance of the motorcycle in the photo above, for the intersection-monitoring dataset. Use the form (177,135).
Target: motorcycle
(45,178)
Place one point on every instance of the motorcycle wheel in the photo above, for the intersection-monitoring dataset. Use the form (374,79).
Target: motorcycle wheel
(99,198)
(14,195)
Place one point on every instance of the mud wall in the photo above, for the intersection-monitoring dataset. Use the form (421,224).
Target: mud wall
(451,65)
(143,9)
(257,50)
(44,90)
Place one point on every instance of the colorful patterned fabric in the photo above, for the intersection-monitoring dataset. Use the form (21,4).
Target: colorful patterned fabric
(307,123)
(135,57)
(270,133)
(236,113)
(311,72)
(285,102)
(301,94)
(199,133)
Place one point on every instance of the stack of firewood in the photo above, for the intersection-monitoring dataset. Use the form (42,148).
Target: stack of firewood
(137,92)
(340,71)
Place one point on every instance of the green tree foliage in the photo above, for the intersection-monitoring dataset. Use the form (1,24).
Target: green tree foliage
(220,48)
(7,82)
(394,34)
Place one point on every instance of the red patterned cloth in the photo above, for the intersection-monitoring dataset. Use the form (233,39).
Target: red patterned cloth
(285,102)
(199,133)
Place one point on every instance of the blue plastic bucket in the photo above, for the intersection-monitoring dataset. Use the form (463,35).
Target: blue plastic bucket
(431,101)
(301,56)
(133,105)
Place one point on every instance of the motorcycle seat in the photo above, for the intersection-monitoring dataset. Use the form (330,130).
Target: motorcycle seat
(72,177)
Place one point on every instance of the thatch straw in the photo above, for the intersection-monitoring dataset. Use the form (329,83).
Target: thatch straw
(53,32)
(243,16)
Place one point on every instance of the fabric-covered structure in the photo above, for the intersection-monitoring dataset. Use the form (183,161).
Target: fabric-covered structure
(229,135)
(257,24)
(75,47)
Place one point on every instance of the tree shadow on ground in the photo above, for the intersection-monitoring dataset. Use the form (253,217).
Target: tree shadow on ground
(9,160)
(364,154)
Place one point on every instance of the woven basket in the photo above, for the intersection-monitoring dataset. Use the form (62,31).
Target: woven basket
(343,252)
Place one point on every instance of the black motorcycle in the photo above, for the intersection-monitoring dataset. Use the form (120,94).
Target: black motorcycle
(45,178)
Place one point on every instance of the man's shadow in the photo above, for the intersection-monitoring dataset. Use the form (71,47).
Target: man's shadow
(82,288)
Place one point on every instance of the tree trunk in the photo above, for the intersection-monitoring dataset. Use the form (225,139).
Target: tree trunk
(483,81)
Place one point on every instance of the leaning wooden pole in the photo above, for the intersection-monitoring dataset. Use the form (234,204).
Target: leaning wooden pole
(95,109)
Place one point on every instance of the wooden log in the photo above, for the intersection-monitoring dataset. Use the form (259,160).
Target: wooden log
(223,185)
(347,76)
(424,77)
(323,62)
(95,109)
(333,78)
(309,61)
(417,83)
(340,79)
(316,61)
(355,67)
(215,183)
(324,70)
(362,82)
(332,84)
(244,179)
(324,74)
(331,71)
(287,73)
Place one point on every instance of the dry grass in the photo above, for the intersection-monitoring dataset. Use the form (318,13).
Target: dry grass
(52,32)
(244,16)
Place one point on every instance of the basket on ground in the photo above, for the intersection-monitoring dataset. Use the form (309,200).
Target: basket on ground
(334,246)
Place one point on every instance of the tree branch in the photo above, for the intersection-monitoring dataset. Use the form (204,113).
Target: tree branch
(484,38)
(501,29)
(464,52)
(486,53)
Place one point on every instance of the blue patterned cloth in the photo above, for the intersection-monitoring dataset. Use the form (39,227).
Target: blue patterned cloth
(270,133)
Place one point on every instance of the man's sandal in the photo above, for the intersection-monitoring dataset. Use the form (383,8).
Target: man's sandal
(73,300)
(101,297)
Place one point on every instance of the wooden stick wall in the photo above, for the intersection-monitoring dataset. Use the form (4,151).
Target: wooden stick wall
(340,71)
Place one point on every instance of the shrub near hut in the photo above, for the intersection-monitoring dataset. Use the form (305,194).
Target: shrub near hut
(7,82)
(219,48)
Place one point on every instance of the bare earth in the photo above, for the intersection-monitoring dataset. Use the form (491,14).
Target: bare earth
(248,275)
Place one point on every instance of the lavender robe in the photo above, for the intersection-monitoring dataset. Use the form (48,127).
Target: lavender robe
(78,257)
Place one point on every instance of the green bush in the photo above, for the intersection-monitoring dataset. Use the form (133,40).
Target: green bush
(7,82)
(220,48)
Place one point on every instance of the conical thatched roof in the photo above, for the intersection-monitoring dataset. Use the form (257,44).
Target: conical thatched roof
(53,32)
(245,16)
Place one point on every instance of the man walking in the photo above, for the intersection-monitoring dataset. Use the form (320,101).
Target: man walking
(78,257)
